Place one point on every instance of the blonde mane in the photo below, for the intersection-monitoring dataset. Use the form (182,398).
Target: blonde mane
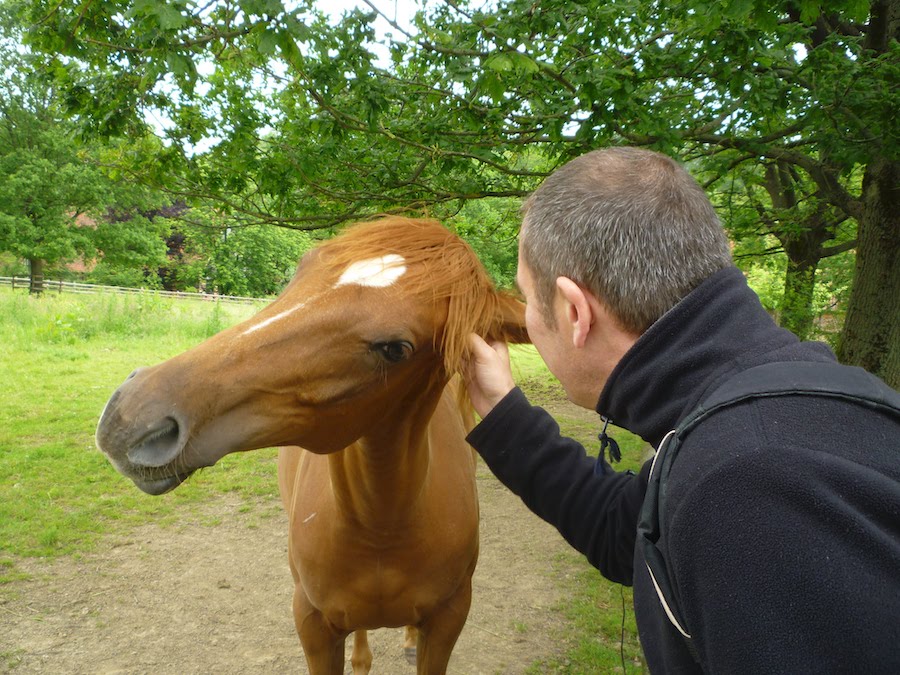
(440,266)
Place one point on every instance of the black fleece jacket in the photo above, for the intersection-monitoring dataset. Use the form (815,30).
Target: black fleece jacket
(783,524)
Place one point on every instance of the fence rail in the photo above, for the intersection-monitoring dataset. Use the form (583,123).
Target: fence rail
(79,288)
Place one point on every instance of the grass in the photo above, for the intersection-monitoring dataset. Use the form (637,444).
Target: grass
(601,634)
(62,357)
(9,660)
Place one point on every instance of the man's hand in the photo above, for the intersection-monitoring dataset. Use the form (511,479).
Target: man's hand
(488,374)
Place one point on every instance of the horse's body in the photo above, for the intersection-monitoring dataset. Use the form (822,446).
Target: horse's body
(351,363)
(366,551)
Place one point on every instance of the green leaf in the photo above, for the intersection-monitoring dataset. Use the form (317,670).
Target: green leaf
(168,16)
(268,42)
(523,62)
(809,11)
(499,62)
(738,10)
(180,65)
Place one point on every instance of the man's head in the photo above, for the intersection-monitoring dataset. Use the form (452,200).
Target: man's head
(631,226)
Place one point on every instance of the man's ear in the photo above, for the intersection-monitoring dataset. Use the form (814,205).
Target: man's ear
(579,315)
(509,324)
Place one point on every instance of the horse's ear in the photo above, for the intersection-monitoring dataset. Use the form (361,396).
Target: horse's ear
(511,324)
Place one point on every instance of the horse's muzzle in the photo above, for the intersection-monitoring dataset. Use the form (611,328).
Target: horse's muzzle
(142,439)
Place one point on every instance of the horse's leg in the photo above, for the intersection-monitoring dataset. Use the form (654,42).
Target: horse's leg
(322,645)
(409,644)
(438,633)
(361,658)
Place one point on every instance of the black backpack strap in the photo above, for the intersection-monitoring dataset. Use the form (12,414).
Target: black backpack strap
(793,378)
(790,378)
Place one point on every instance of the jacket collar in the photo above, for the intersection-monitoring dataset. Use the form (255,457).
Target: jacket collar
(718,329)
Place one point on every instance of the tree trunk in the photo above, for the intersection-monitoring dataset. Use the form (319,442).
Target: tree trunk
(803,248)
(797,306)
(871,334)
(36,287)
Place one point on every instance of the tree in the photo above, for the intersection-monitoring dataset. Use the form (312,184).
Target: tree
(773,202)
(871,333)
(491,227)
(801,88)
(253,260)
(802,234)
(53,192)
(807,88)
(131,240)
(45,184)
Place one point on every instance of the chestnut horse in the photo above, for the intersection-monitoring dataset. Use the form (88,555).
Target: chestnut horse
(354,363)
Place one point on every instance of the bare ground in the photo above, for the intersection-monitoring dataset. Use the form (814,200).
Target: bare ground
(213,595)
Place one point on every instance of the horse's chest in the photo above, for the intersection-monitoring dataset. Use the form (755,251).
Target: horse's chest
(367,579)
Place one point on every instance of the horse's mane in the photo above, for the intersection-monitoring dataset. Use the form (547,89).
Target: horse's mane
(439,265)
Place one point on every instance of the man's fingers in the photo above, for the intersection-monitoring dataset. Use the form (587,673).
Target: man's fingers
(487,373)
(483,352)
(501,349)
(477,344)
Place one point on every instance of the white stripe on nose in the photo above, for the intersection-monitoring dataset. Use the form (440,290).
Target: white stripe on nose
(273,319)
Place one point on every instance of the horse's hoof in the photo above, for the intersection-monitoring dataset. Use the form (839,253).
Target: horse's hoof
(410,653)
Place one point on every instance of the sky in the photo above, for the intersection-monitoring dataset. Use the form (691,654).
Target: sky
(400,11)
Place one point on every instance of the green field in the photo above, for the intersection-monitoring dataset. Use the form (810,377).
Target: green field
(61,358)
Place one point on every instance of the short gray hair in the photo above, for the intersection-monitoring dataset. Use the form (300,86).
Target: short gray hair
(630,225)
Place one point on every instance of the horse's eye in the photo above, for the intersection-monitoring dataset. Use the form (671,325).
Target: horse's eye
(394,352)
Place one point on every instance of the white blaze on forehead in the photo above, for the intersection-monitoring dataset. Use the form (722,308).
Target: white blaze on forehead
(377,272)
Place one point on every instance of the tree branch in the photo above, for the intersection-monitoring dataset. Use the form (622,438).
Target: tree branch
(828,251)
(825,178)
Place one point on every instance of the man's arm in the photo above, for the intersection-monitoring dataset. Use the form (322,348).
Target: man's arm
(592,506)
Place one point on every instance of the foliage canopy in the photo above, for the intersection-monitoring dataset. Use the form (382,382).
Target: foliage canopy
(308,122)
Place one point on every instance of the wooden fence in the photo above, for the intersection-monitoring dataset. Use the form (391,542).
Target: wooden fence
(55,286)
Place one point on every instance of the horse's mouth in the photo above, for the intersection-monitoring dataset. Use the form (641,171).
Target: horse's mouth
(159,486)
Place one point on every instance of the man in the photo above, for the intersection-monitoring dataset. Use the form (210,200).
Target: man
(783,516)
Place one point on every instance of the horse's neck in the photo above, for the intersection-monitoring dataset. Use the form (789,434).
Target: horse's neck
(379,487)
(379,480)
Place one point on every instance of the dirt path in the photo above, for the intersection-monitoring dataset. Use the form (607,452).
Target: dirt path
(202,598)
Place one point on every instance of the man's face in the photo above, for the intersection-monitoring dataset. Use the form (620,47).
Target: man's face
(581,365)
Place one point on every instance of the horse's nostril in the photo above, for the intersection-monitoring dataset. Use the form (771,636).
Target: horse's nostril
(159,446)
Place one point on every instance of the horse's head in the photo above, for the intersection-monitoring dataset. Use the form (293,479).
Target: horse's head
(372,320)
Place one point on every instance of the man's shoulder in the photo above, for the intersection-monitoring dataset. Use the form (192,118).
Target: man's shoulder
(796,430)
